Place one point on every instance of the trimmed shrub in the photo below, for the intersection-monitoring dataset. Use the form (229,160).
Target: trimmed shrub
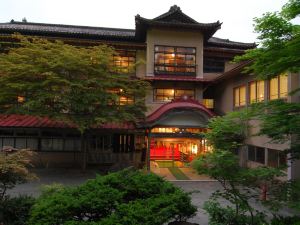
(126,197)
(15,211)
(292,220)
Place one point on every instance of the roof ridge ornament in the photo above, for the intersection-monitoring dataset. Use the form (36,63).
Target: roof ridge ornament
(175,8)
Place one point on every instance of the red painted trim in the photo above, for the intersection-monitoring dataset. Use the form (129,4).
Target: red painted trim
(30,121)
(175,104)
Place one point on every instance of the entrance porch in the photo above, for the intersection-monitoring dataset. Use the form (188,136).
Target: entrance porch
(175,134)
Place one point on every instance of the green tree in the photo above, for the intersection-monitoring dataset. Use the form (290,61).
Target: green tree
(228,132)
(69,83)
(126,197)
(240,184)
(278,52)
(279,43)
(77,85)
(14,170)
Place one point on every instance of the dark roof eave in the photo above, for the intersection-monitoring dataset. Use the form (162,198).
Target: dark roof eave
(226,43)
(70,35)
(60,30)
(233,72)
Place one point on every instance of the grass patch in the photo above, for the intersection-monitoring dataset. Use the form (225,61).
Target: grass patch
(164,163)
(178,174)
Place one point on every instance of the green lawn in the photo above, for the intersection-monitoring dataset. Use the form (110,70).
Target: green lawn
(164,163)
(178,174)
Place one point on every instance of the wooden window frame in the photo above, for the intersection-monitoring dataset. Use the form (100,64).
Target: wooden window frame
(213,103)
(174,89)
(256,91)
(279,87)
(175,65)
(125,53)
(234,98)
(256,158)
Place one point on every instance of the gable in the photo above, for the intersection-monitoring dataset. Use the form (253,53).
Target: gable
(175,15)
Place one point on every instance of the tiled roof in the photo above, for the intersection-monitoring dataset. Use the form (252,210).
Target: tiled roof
(220,42)
(66,30)
(174,18)
(182,20)
(173,10)
(29,121)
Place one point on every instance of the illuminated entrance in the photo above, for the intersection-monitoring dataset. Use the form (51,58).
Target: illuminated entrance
(171,147)
(175,133)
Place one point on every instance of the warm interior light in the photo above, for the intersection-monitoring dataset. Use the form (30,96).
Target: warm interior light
(121,90)
(194,149)
(173,55)
(21,99)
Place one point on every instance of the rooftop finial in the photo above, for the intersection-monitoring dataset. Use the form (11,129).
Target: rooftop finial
(24,20)
(174,8)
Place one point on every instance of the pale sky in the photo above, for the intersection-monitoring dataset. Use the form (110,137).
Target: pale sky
(236,15)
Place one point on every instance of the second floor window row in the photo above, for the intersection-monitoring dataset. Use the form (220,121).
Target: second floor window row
(277,88)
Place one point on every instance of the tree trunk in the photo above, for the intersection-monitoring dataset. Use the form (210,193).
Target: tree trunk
(83,150)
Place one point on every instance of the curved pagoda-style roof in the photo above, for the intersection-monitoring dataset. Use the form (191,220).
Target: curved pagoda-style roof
(174,18)
(178,104)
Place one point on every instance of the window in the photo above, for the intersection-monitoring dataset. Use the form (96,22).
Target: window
(100,143)
(122,97)
(20,139)
(184,92)
(20,99)
(256,91)
(240,96)
(174,60)
(166,95)
(123,143)
(278,87)
(276,158)
(213,65)
(124,61)
(256,154)
(208,103)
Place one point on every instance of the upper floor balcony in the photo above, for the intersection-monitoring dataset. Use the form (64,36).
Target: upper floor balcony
(175,69)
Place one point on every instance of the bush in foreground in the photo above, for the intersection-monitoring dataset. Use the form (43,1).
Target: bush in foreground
(15,211)
(126,197)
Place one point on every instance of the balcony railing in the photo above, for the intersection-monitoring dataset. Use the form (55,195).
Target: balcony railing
(175,69)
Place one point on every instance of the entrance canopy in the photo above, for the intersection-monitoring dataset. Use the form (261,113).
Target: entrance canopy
(180,113)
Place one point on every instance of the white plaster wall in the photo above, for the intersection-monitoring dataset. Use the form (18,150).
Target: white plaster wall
(141,63)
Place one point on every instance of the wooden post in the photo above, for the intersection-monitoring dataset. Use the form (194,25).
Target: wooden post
(264,190)
(172,149)
(148,151)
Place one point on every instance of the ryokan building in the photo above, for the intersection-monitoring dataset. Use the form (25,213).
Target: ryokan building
(192,79)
